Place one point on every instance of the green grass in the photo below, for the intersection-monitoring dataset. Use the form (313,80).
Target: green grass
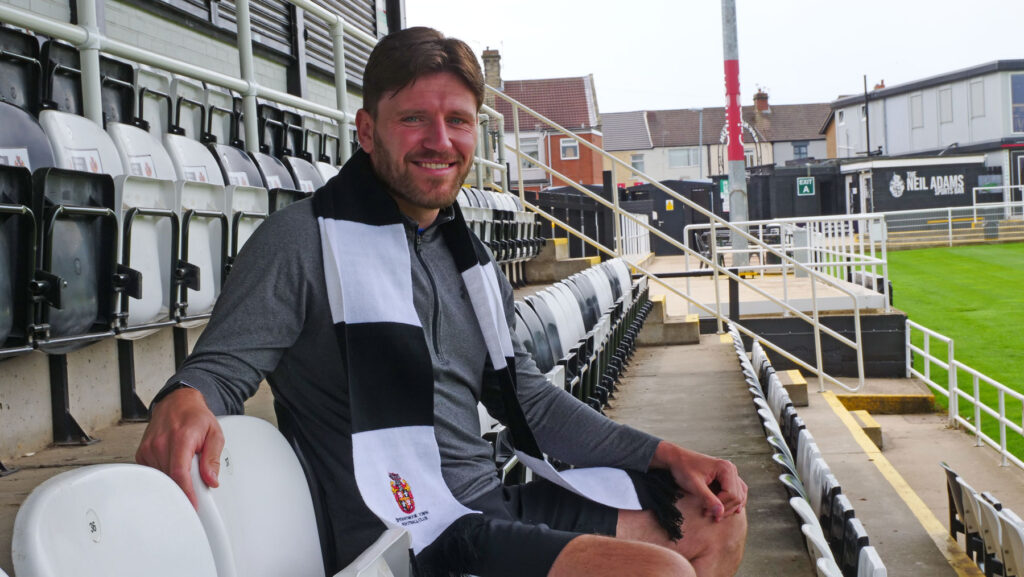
(975,295)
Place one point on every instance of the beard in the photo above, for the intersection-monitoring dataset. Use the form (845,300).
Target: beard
(419,190)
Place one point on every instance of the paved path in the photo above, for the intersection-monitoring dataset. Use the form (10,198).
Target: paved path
(695,396)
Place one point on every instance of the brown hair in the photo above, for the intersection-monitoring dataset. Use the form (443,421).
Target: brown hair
(404,56)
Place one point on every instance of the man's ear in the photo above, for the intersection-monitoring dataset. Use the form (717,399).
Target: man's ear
(364,130)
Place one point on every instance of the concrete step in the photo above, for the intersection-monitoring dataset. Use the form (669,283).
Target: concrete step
(661,328)
(553,263)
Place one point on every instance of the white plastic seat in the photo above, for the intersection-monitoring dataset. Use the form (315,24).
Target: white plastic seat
(110,520)
(870,564)
(260,520)
(1013,542)
(827,568)
(988,523)
(817,546)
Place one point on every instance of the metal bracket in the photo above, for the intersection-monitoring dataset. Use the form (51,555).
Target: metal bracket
(47,286)
(129,281)
(187,274)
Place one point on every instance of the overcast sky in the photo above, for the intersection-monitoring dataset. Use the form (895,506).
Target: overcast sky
(663,54)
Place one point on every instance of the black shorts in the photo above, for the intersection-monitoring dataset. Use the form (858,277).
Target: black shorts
(522,530)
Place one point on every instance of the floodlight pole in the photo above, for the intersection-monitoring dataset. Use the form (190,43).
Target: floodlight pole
(734,120)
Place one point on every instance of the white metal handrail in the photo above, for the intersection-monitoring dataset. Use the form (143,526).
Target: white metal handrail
(818,327)
(951,390)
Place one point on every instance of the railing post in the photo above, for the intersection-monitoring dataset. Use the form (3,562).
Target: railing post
(734,297)
(949,224)
(341,86)
(910,354)
(954,395)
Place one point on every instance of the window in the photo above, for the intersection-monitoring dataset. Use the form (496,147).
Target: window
(570,149)
(748,156)
(637,162)
(800,150)
(863,112)
(529,147)
(681,157)
(842,117)
(1017,100)
(977,98)
(946,105)
(916,111)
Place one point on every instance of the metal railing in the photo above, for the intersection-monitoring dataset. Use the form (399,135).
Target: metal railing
(979,223)
(954,393)
(816,277)
(848,248)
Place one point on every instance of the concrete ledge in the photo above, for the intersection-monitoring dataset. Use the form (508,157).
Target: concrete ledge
(553,263)
(889,404)
(796,385)
(660,328)
(870,426)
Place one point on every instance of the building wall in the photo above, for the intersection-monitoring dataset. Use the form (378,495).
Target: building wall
(892,118)
(718,157)
(584,170)
(782,152)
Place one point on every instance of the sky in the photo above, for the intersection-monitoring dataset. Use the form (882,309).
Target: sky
(667,54)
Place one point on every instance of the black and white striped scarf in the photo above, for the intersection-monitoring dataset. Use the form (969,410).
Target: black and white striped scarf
(391,388)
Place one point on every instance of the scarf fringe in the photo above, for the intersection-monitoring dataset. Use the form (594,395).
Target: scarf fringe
(658,493)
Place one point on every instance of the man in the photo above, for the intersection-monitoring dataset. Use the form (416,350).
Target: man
(339,354)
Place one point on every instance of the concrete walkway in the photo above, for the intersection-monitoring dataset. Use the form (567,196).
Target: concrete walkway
(695,396)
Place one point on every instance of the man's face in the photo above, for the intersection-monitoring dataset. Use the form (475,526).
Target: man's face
(422,142)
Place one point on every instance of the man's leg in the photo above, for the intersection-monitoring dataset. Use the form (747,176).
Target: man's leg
(713,549)
(599,556)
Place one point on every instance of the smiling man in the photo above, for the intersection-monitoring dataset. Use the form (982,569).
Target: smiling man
(379,346)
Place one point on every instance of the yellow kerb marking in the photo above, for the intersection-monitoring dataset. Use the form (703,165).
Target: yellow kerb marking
(950,549)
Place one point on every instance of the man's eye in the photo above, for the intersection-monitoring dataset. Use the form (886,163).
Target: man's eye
(412,118)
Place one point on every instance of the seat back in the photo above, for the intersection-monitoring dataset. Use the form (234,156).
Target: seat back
(855,538)
(955,494)
(549,322)
(988,526)
(1013,542)
(17,255)
(970,503)
(260,520)
(114,519)
(542,351)
(870,564)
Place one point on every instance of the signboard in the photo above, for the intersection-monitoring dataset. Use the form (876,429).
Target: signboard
(805,186)
(926,186)
(670,204)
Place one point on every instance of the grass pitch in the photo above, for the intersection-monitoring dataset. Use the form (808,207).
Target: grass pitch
(975,295)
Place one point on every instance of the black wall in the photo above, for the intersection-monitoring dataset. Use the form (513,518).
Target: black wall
(899,188)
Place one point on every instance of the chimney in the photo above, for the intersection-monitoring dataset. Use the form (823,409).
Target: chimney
(880,85)
(761,101)
(492,73)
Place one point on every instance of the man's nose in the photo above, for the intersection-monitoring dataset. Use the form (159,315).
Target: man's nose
(436,136)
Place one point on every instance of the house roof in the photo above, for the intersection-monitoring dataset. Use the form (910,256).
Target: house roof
(785,122)
(569,102)
(626,131)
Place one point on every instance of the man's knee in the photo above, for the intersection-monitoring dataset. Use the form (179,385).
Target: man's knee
(599,556)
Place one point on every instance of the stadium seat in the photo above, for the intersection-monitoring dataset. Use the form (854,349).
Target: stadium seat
(1013,543)
(855,538)
(260,520)
(989,528)
(827,568)
(957,519)
(870,564)
(842,511)
(817,546)
(17,256)
(976,549)
(110,520)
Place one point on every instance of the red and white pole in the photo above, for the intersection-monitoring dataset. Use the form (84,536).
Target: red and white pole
(734,119)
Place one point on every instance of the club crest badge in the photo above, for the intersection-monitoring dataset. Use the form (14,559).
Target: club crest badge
(896,186)
(403,495)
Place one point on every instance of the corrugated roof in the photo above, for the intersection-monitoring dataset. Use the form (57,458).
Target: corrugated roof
(785,122)
(625,131)
(569,102)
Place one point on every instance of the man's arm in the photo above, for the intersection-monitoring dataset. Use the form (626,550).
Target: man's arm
(573,432)
(258,315)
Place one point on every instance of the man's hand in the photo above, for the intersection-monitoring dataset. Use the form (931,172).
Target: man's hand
(696,474)
(180,426)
